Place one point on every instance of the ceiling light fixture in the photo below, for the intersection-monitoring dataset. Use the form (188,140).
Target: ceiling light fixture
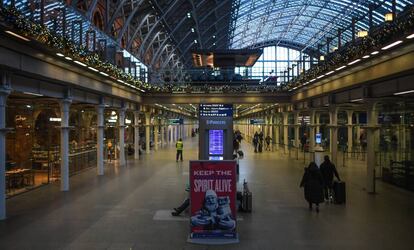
(353,62)
(410,36)
(388,17)
(362,33)
(103,73)
(31,93)
(404,92)
(17,35)
(342,67)
(93,69)
(357,100)
(392,45)
(375,53)
(68,58)
(365,57)
(330,72)
(60,54)
(80,63)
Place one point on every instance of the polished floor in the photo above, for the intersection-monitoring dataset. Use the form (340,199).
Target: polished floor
(119,210)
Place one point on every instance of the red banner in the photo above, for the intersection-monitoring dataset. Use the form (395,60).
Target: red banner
(213,199)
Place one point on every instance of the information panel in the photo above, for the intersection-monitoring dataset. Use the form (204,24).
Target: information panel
(318,138)
(177,121)
(213,200)
(257,121)
(216,110)
(215,142)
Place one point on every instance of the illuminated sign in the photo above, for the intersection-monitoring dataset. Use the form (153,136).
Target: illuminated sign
(215,142)
(216,110)
(318,139)
(257,121)
(177,121)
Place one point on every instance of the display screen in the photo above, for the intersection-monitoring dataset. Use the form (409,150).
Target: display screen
(215,142)
(318,138)
(216,110)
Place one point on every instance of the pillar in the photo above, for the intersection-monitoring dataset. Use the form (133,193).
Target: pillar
(372,118)
(333,126)
(4,92)
(277,133)
(350,134)
(121,130)
(100,109)
(162,133)
(296,126)
(137,145)
(270,127)
(156,130)
(357,127)
(317,121)
(147,131)
(285,131)
(64,144)
(312,131)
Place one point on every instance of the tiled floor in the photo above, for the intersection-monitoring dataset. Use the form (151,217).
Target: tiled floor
(116,211)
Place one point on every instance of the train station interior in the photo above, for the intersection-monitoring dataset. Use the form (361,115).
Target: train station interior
(98,97)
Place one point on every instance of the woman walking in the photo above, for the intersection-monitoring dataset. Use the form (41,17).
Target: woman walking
(312,182)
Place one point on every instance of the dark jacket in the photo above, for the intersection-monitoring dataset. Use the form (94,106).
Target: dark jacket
(328,171)
(313,184)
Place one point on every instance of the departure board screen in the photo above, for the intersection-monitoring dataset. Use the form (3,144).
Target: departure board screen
(216,110)
(216,142)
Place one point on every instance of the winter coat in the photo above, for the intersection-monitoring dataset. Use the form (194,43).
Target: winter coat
(328,171)
(313,185)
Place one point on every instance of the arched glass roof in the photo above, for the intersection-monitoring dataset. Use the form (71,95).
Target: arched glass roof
(304,22)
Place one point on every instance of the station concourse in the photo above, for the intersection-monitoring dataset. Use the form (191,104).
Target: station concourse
(94,96)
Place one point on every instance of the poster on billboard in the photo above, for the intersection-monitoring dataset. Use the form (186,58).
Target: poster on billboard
(213,202)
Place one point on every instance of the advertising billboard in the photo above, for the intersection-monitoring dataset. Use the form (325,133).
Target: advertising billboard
(213,200)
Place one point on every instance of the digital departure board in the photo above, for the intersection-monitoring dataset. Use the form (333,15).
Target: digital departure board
(216,110)
(216,142)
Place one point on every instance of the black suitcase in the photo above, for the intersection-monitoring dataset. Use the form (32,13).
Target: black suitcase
(247,201)
(240,153)
(260,148)
(339,192)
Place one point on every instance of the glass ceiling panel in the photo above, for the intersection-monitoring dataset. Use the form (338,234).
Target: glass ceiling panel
(303,21)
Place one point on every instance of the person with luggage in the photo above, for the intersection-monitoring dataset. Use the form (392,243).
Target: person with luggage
(261,138)
(179,146)
(328,171)
(312,182)
(255,141)
(186,203)
(239,137)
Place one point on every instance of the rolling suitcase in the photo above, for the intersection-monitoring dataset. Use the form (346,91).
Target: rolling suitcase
(260,148)
(339,192)
(247,201)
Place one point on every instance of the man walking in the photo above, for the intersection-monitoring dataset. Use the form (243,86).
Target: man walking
(179,146)
(328,171)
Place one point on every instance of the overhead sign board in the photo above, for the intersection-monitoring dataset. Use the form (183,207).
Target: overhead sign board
(257,121)
(216,110)
(177,121)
